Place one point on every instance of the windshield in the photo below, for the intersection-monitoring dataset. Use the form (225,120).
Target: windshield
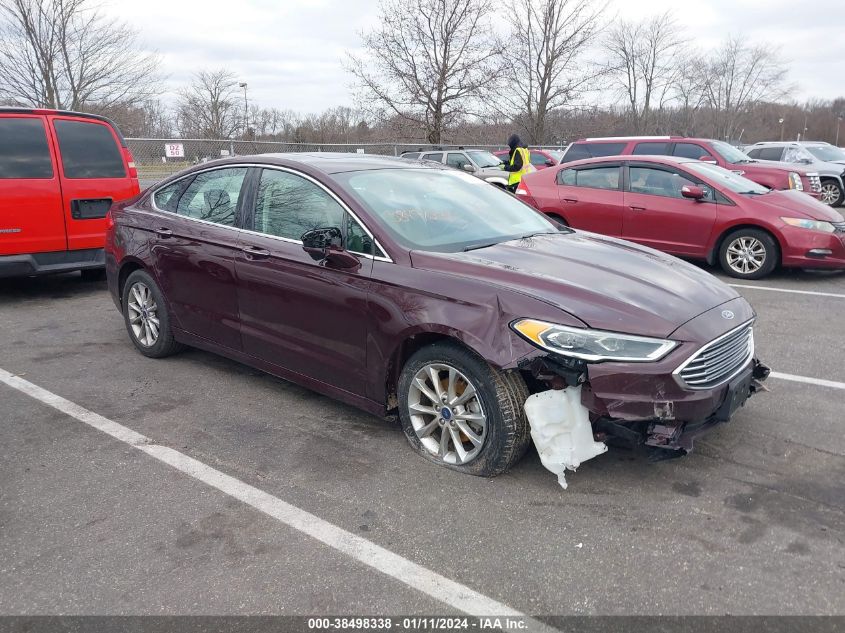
(828,153)
(723,178)
(484,159)
(445,211)
(730,153)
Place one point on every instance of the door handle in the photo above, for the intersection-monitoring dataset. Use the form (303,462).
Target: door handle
(571,199)
(633,208)
(253,252)
(163,231)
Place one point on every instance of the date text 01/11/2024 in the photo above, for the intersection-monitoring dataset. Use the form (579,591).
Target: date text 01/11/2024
(418,623)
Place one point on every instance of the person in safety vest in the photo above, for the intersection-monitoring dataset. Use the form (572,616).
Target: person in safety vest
(518,163)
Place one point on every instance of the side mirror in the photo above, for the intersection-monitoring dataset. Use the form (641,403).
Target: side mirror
(317,242)
(692,192)
(550,162)
(326,244)
(468,167)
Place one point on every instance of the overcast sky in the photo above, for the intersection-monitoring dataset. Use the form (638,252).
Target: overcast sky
(290,52)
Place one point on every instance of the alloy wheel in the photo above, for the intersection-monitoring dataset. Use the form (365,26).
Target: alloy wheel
(829,194)
(446,413)
(746,255)
(143,314)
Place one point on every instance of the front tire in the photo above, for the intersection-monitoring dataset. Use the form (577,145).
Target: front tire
(146,317)
(749,254)
(459,412)
(831,193)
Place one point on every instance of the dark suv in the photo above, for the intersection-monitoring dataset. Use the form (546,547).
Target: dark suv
(771,174)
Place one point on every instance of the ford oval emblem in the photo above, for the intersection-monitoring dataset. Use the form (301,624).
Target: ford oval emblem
(727,314)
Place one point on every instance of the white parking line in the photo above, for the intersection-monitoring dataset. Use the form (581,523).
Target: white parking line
(821,382)
(415,576)
(796,292)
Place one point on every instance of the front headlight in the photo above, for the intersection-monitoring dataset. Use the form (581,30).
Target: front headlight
(813,225)
(592,345)
(795,181)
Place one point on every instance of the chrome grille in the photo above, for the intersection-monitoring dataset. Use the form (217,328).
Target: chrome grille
(839,227)
(815,183)
(720,360)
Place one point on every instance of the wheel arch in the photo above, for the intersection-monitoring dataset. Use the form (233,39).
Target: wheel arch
(127,267)
(409,345)
(557,215)
(713,256)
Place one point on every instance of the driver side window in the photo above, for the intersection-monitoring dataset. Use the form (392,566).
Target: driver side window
(288,205)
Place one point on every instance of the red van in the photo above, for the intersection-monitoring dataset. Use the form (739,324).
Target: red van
(59,174)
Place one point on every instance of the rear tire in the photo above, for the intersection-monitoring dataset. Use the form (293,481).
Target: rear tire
(749,254)
(485,449)
(146,317)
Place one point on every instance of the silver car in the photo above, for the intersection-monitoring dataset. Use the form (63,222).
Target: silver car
(478,162)
(828,160)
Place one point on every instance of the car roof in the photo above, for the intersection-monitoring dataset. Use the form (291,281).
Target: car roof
(612,139)
(322,162)
(633,158)
(73,113)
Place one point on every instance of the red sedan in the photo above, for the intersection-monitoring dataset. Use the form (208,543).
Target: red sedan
(692,209)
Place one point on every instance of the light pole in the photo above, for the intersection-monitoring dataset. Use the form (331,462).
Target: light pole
(246,111)
(780,120)
(838,125)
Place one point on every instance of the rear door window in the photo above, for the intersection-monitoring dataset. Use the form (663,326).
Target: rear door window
(598,178)
(691,150)
(437,157)
(212,196)
(167,197)
(651,149)
(24,152)
(456,159)
(767,153)
(598,150)
(88,150)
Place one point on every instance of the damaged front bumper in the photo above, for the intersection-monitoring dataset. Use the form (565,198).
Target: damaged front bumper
(643,404)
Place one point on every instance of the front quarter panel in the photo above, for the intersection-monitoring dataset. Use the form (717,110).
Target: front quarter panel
(407,302)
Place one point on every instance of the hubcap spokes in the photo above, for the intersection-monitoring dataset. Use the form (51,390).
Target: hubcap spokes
(829,194)
(446,414)
(746,255)
(143,314)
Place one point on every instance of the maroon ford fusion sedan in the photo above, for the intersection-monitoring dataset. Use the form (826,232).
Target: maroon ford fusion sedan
(413,289)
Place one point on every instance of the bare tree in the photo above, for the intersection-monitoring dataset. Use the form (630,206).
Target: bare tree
(544,68)
(643,66)
(210,106)
(738,77)
(427,62)
(65,54)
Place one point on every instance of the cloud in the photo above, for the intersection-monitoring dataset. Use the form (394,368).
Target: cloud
(290,52)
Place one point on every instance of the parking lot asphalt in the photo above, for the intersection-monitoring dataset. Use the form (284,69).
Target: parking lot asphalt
(752,522)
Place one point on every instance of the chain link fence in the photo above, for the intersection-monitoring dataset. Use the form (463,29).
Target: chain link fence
(157,158)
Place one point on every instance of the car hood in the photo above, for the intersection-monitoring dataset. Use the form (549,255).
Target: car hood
(774,164)
(797,204)
(608,284)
